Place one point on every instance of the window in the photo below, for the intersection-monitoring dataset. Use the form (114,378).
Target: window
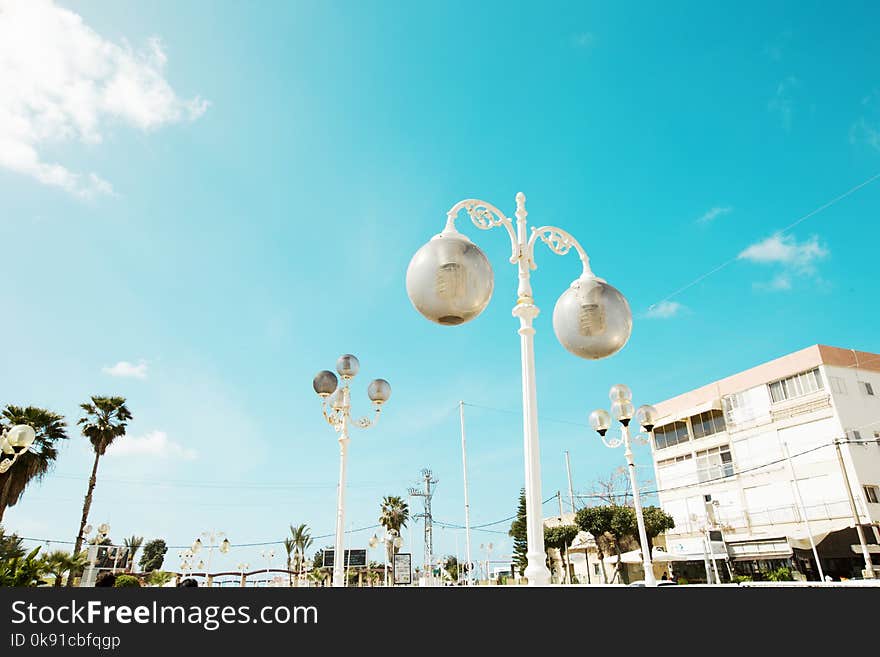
(872,493)
(708,423)
(796,386)
(838,385)
(677,459)
(670,434)
(714,463)
(867,388)
(854,434)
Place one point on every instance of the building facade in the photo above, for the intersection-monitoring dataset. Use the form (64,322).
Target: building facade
(759,467)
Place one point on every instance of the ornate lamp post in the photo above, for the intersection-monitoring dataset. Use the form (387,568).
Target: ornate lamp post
(14,442)
(392,540)
(450,281)
(622,411)
(214,542)
(268,555)
(339,417)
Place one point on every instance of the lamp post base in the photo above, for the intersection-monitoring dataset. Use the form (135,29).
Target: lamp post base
(537,572)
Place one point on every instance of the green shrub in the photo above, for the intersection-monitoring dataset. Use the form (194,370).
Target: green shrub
(159,577)
(682,581)
(741,578)
(127,581)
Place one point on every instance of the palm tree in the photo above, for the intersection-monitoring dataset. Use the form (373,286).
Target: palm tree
(59,562)
(104,422)
(302,540)
(133,543)
(289,546)
(33,464)
(395,513)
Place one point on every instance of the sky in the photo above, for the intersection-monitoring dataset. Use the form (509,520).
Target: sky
(203,204)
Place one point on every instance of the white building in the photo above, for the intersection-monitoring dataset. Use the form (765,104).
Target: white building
(720,462)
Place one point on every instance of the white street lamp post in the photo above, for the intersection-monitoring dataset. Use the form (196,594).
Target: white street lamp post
(14,442)
(622,411)
(392,539)
(488,548)
(450,281)
(268,555)
(339,417)
(213,539)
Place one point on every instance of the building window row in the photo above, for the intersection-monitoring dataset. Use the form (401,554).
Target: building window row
(677,459)
(796,386)
(872,493)
(714,463)
(670,434)
(708,423)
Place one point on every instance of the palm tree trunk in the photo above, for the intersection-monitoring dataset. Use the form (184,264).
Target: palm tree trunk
(87,504)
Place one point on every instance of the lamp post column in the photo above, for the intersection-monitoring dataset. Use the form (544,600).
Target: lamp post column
(650,580)
(536,571)
(338,573)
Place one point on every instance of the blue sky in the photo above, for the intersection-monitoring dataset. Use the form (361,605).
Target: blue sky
(226,197)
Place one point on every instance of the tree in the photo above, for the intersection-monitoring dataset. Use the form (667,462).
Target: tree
(657,521)
(126,581)
(559,538)
(395,513)
(288,548)
(59,562)
(33,464)
(22,571)
(302,540)
(602,522)
(159,577)
(133,544)
(450,565)
(105,420)
(11,546)
(519,534)
(153,555)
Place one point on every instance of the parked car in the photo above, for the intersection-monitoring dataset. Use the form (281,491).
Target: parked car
(660,582)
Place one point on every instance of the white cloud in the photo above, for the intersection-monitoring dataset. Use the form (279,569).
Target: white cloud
(714,213)
(128,370)
(868,130)
(154,444)
(583,40)
(61,81)
(787,251)
(664,310)
(795,259)
(783,102)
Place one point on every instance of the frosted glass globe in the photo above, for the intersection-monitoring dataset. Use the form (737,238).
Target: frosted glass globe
(449,280)
(592,319)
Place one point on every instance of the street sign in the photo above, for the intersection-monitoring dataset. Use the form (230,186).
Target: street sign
(402,568)
(353,558)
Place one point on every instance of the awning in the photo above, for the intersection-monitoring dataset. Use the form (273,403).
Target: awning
(766,549)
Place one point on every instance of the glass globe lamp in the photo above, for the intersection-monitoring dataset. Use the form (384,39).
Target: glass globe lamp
(325,383)
(600,420)
(622,410)
(647,417)
(347,366)
(379,391)
(449,280)
(592,319)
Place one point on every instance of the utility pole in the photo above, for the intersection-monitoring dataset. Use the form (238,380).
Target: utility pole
(559,499)
(803,510)
(467,506)
(869,566)
(426,494)
(570,489)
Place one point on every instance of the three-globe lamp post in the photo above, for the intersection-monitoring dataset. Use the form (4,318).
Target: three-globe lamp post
(338,399)
(623,411)
(450,281)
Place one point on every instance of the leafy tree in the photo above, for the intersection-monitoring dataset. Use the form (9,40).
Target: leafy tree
(11,546)
(657,521)
(59,562)
(36,462)
(395,513)
(105,420)
(127,581)
(159,577)
(288,548)
(559,538)
(450,565)
(133,544)
(22,571)
(153,555)
(603,523)
(302,540)
(519,534)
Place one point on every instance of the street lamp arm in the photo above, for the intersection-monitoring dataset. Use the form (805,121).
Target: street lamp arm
(332,417)
(366,423)
(612,443)
(560,242)
(484,216)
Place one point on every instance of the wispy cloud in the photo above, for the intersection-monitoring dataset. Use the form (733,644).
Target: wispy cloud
(867,128)
(583,40)
(797,259)
(664,310)
(127,370)
(61,81)
(713,213)
(154,444)
(782,102)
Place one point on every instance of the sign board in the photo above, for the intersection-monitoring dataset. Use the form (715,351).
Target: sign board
(402,568)
(353,558)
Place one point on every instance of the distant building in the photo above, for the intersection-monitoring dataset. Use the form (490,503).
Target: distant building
(722,472)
